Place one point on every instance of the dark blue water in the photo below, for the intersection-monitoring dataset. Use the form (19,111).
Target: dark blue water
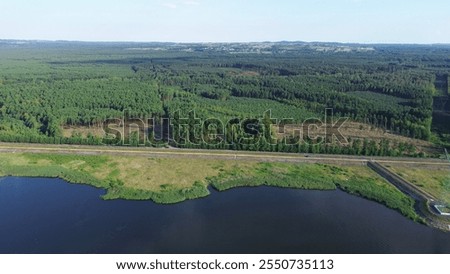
(51,216)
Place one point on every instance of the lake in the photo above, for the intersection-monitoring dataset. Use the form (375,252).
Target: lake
(39,215)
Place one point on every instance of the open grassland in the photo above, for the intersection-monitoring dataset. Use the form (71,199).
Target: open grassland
(171,180)
(163,180)
(435,181)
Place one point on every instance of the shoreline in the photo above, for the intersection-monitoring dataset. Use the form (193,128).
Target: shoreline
(425,217)
(354,180)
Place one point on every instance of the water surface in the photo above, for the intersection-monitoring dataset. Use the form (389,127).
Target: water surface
(51,216)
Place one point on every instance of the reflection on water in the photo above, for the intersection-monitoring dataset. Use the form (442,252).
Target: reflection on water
(51,216)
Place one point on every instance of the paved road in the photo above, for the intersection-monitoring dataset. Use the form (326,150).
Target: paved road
(215,154)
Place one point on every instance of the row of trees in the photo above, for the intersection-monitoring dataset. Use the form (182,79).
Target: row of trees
(360,147)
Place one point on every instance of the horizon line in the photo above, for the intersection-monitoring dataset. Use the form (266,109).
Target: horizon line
(227,42)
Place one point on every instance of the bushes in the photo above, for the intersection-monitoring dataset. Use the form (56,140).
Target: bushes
(288,176)
(51,172)
(384,194)
(198,190)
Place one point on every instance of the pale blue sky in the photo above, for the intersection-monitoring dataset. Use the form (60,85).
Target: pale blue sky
(365,21)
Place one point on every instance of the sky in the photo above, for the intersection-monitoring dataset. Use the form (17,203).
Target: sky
(355,21)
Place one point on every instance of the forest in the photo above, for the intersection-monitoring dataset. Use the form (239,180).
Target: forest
(48,86)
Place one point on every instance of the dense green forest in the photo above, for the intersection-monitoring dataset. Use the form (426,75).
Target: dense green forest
(45,86)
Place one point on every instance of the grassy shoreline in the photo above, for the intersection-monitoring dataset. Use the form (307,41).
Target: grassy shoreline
(173,180)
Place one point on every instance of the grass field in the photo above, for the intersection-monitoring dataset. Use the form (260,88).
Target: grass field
(171,180)
(434,181)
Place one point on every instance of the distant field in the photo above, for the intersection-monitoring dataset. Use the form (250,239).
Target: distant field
(255,108)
